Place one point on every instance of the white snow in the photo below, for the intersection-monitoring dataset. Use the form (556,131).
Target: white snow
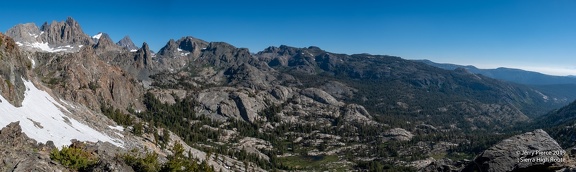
(97,36)
(121,135)
(33,35)
(41,46)
(45,47)
(183,53)
(133,50)
(42,119)
(119,128)
(33,62)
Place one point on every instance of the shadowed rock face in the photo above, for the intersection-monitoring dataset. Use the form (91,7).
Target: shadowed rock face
(531,151)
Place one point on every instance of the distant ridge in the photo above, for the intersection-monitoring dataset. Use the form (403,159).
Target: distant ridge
(509,74)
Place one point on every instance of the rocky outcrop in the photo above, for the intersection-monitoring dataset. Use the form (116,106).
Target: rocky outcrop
(127,43)
(320,96)
(338,90)
(20,153)
(531,151)
(445,164)
(231,102)
(246,75)
(398,134)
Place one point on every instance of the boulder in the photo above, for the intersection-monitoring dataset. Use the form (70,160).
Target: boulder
(531,151)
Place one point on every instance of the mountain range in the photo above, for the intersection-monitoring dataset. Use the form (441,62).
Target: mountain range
(509,74)
(212,106)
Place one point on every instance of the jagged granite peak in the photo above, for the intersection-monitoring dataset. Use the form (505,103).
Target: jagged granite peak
(531,151)
(27,32)
(67,32)
(143,56)
(127,43)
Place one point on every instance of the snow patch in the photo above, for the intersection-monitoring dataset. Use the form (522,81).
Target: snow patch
(45,47)
(33,62)
(33,35)
(97,36)
(133,50)
(119,128)
(545,97)
(121,135)
(40,109)
(179,50)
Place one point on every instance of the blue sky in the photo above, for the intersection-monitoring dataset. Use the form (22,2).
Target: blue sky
(538,35)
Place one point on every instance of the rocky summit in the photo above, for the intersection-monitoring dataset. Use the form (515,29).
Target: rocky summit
(127,43)
(211,106)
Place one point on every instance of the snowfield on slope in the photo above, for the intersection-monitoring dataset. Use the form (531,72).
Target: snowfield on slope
(42,119)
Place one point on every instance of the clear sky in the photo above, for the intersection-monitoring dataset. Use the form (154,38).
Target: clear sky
(538,35)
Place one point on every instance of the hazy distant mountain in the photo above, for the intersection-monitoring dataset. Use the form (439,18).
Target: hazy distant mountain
(509,74)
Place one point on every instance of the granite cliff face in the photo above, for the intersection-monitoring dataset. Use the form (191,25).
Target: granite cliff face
(14,67)
(82,77)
